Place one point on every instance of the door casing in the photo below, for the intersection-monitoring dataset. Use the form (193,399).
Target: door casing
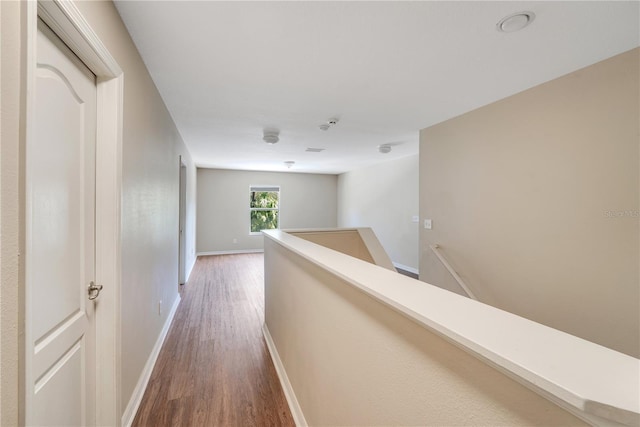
(182,198)
(64,18)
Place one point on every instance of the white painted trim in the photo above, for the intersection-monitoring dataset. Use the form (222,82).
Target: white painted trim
(289,394)
(239,251)
(30,83)
(65,19)
(108,248)
(189,270)
(67,22)
(145,375)
(406,268)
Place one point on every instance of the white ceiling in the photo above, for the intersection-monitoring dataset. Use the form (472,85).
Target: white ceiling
(227,70)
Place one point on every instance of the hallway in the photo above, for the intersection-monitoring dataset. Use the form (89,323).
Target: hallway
(214,367)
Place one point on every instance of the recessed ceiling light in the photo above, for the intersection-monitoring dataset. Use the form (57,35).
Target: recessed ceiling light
(515,22)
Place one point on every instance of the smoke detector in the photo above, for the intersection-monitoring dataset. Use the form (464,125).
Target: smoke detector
(515,22)
(331,122)
(384,148)
(271,136)
(289,163)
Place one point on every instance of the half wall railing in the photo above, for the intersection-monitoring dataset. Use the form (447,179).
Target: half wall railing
(358,344)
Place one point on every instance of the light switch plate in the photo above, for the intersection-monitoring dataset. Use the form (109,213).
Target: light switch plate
(415,218)
(427,224)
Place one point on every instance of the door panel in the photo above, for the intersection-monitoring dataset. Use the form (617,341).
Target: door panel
(54,407)
(58,191)
(60,261)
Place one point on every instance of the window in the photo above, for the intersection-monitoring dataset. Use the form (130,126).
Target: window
(264,206)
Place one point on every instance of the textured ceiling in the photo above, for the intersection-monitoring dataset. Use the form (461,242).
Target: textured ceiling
(228,70)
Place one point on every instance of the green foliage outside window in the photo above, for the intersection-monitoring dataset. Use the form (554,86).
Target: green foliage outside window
(264,210)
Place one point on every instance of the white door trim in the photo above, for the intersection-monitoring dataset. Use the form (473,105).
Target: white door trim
(182,221)
(67,22)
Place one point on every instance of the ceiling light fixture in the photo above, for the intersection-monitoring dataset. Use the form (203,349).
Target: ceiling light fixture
(515,22)
(271,136)
(384,148)
(289,163)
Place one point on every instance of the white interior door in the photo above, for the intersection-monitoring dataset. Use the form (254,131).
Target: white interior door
(60,227)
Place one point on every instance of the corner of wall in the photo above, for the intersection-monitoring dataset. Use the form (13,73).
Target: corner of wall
(13,16)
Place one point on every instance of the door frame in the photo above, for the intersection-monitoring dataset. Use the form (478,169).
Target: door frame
(64,18)
(182,221)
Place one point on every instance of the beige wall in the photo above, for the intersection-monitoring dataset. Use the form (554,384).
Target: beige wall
(384,197)
(535,198)
(347,242)
(151,149)
(12,20)
(306,201)
(353,361)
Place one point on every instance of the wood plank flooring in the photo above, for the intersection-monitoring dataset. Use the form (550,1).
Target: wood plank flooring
(214,368)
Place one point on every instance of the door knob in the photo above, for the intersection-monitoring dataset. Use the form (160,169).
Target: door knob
(94,290)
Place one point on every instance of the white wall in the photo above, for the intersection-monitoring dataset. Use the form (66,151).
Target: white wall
(151,150)
(385,198)
(306,201)
(535,202)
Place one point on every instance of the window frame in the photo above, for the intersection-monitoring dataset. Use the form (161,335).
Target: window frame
(264,188)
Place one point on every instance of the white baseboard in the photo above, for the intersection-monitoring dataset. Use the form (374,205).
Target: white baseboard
(294,406)
(190,269)
(141,386)
(406,268)
(239,251)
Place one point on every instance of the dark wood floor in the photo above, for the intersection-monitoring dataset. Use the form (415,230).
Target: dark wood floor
(214,368)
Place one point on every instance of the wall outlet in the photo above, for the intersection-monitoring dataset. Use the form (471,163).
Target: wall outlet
(427,224)
(160,308)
